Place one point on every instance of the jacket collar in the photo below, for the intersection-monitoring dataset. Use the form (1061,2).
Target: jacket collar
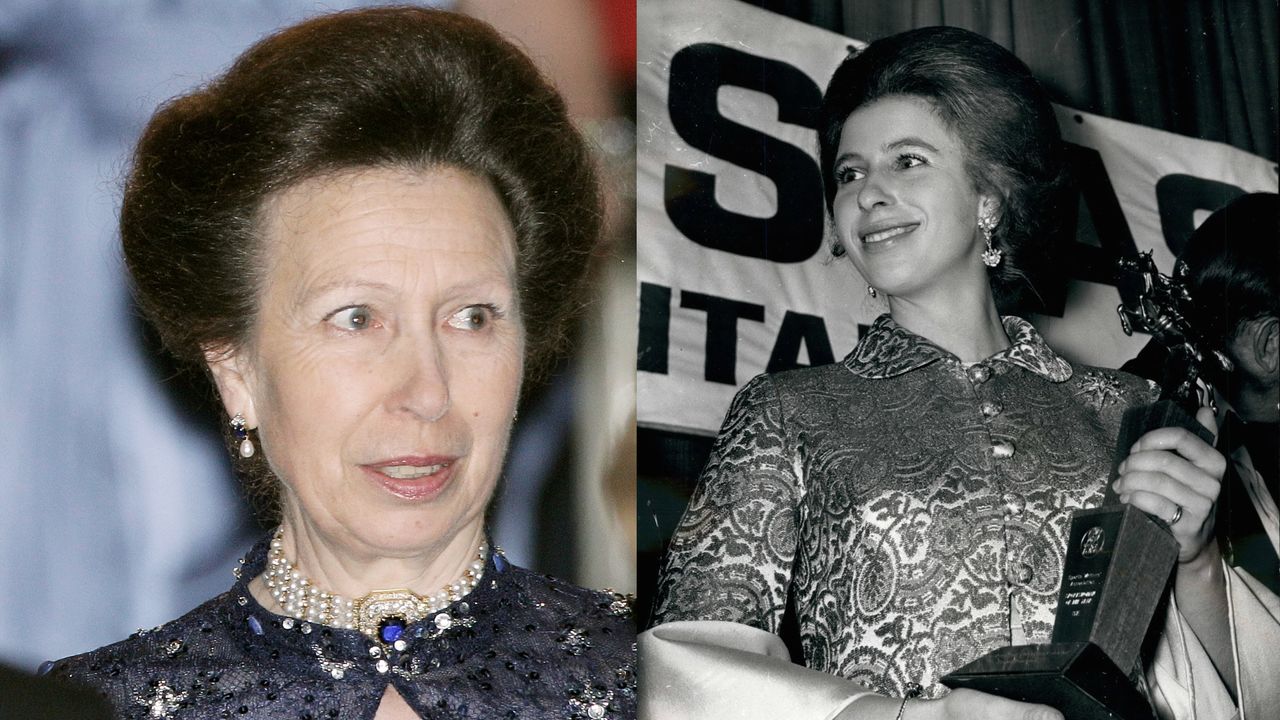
(888,350)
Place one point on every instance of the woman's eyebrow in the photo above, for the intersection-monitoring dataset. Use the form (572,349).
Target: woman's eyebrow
(325,288)
(842,157)
(909,142)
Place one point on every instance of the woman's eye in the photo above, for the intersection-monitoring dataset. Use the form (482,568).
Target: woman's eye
(909,161)
(473,317)
(847,174)
(354,318)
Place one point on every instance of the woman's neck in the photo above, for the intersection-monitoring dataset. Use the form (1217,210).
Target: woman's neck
(968,327)
(351,571)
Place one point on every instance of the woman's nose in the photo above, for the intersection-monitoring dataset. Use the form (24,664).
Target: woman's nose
(424,381)
(874,191)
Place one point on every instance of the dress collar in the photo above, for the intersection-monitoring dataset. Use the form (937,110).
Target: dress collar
(889,350)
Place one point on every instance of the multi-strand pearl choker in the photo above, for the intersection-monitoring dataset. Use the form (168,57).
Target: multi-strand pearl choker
(382,614)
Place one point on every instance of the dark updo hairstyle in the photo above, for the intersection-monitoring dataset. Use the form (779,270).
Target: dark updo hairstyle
(1233,269)
(394,87)
(988,98)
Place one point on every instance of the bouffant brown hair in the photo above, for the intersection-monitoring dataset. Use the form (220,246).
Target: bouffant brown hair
(1005,122)
(394,87)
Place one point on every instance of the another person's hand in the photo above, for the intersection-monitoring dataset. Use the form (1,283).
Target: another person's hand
(1173,474)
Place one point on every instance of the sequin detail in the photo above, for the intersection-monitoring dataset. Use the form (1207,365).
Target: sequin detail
(162,701)
(1101,390)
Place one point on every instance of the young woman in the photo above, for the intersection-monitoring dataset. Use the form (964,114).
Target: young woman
(912,501)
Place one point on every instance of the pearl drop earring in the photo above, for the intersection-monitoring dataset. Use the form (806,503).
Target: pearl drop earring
(242,434)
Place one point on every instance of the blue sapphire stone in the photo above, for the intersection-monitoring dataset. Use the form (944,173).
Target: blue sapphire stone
(45,667)
(391,629)
(254,625)
(499,562)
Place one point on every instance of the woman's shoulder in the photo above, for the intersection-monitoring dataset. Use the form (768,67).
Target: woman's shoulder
(785,386)
(578,638)
(1109,384)
(113,669)
(1106,394)
(565,620)
(550,601)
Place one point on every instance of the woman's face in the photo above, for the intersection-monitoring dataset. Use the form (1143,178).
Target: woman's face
(905,209)
(386,358)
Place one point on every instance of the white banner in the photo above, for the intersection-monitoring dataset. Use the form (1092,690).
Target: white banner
(735,273)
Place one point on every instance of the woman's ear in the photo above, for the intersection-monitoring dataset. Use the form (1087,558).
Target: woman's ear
(989,206)
(231,373)
(1266,343)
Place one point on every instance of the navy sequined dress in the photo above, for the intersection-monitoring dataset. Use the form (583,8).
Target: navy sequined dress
(521,645)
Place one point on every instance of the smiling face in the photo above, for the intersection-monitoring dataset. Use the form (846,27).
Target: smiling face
(905,208)
(386,358)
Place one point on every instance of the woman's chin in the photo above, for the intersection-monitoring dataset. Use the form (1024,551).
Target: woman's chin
(405,537)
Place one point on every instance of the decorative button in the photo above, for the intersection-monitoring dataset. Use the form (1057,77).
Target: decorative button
(991,409)
(595,711)
(400,645)
(1013,503)
(1002,449)
(978,373)
(443,621)
(1019,573)
(383,666)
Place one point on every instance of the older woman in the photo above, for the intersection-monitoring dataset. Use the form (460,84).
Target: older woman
(911,503)
(370,231)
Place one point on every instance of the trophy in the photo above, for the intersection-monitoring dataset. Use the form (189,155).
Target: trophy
(1118,560)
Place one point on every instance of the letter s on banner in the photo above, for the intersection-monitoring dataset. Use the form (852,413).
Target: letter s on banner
(794,233)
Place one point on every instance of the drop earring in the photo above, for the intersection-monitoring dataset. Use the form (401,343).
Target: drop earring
(872,291)
(991,256)
(242,434)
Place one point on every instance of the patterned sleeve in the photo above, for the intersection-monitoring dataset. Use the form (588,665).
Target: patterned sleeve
(730,558)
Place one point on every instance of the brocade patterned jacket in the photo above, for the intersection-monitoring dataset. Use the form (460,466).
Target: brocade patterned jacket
(915,508)
(520,645)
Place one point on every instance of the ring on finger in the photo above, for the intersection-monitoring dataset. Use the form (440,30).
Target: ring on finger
(1177,515)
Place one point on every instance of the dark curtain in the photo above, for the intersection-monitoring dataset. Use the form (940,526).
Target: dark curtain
(1202,68)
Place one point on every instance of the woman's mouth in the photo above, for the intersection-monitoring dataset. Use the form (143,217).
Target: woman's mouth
(888,233)
(414,479)
(410,472)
